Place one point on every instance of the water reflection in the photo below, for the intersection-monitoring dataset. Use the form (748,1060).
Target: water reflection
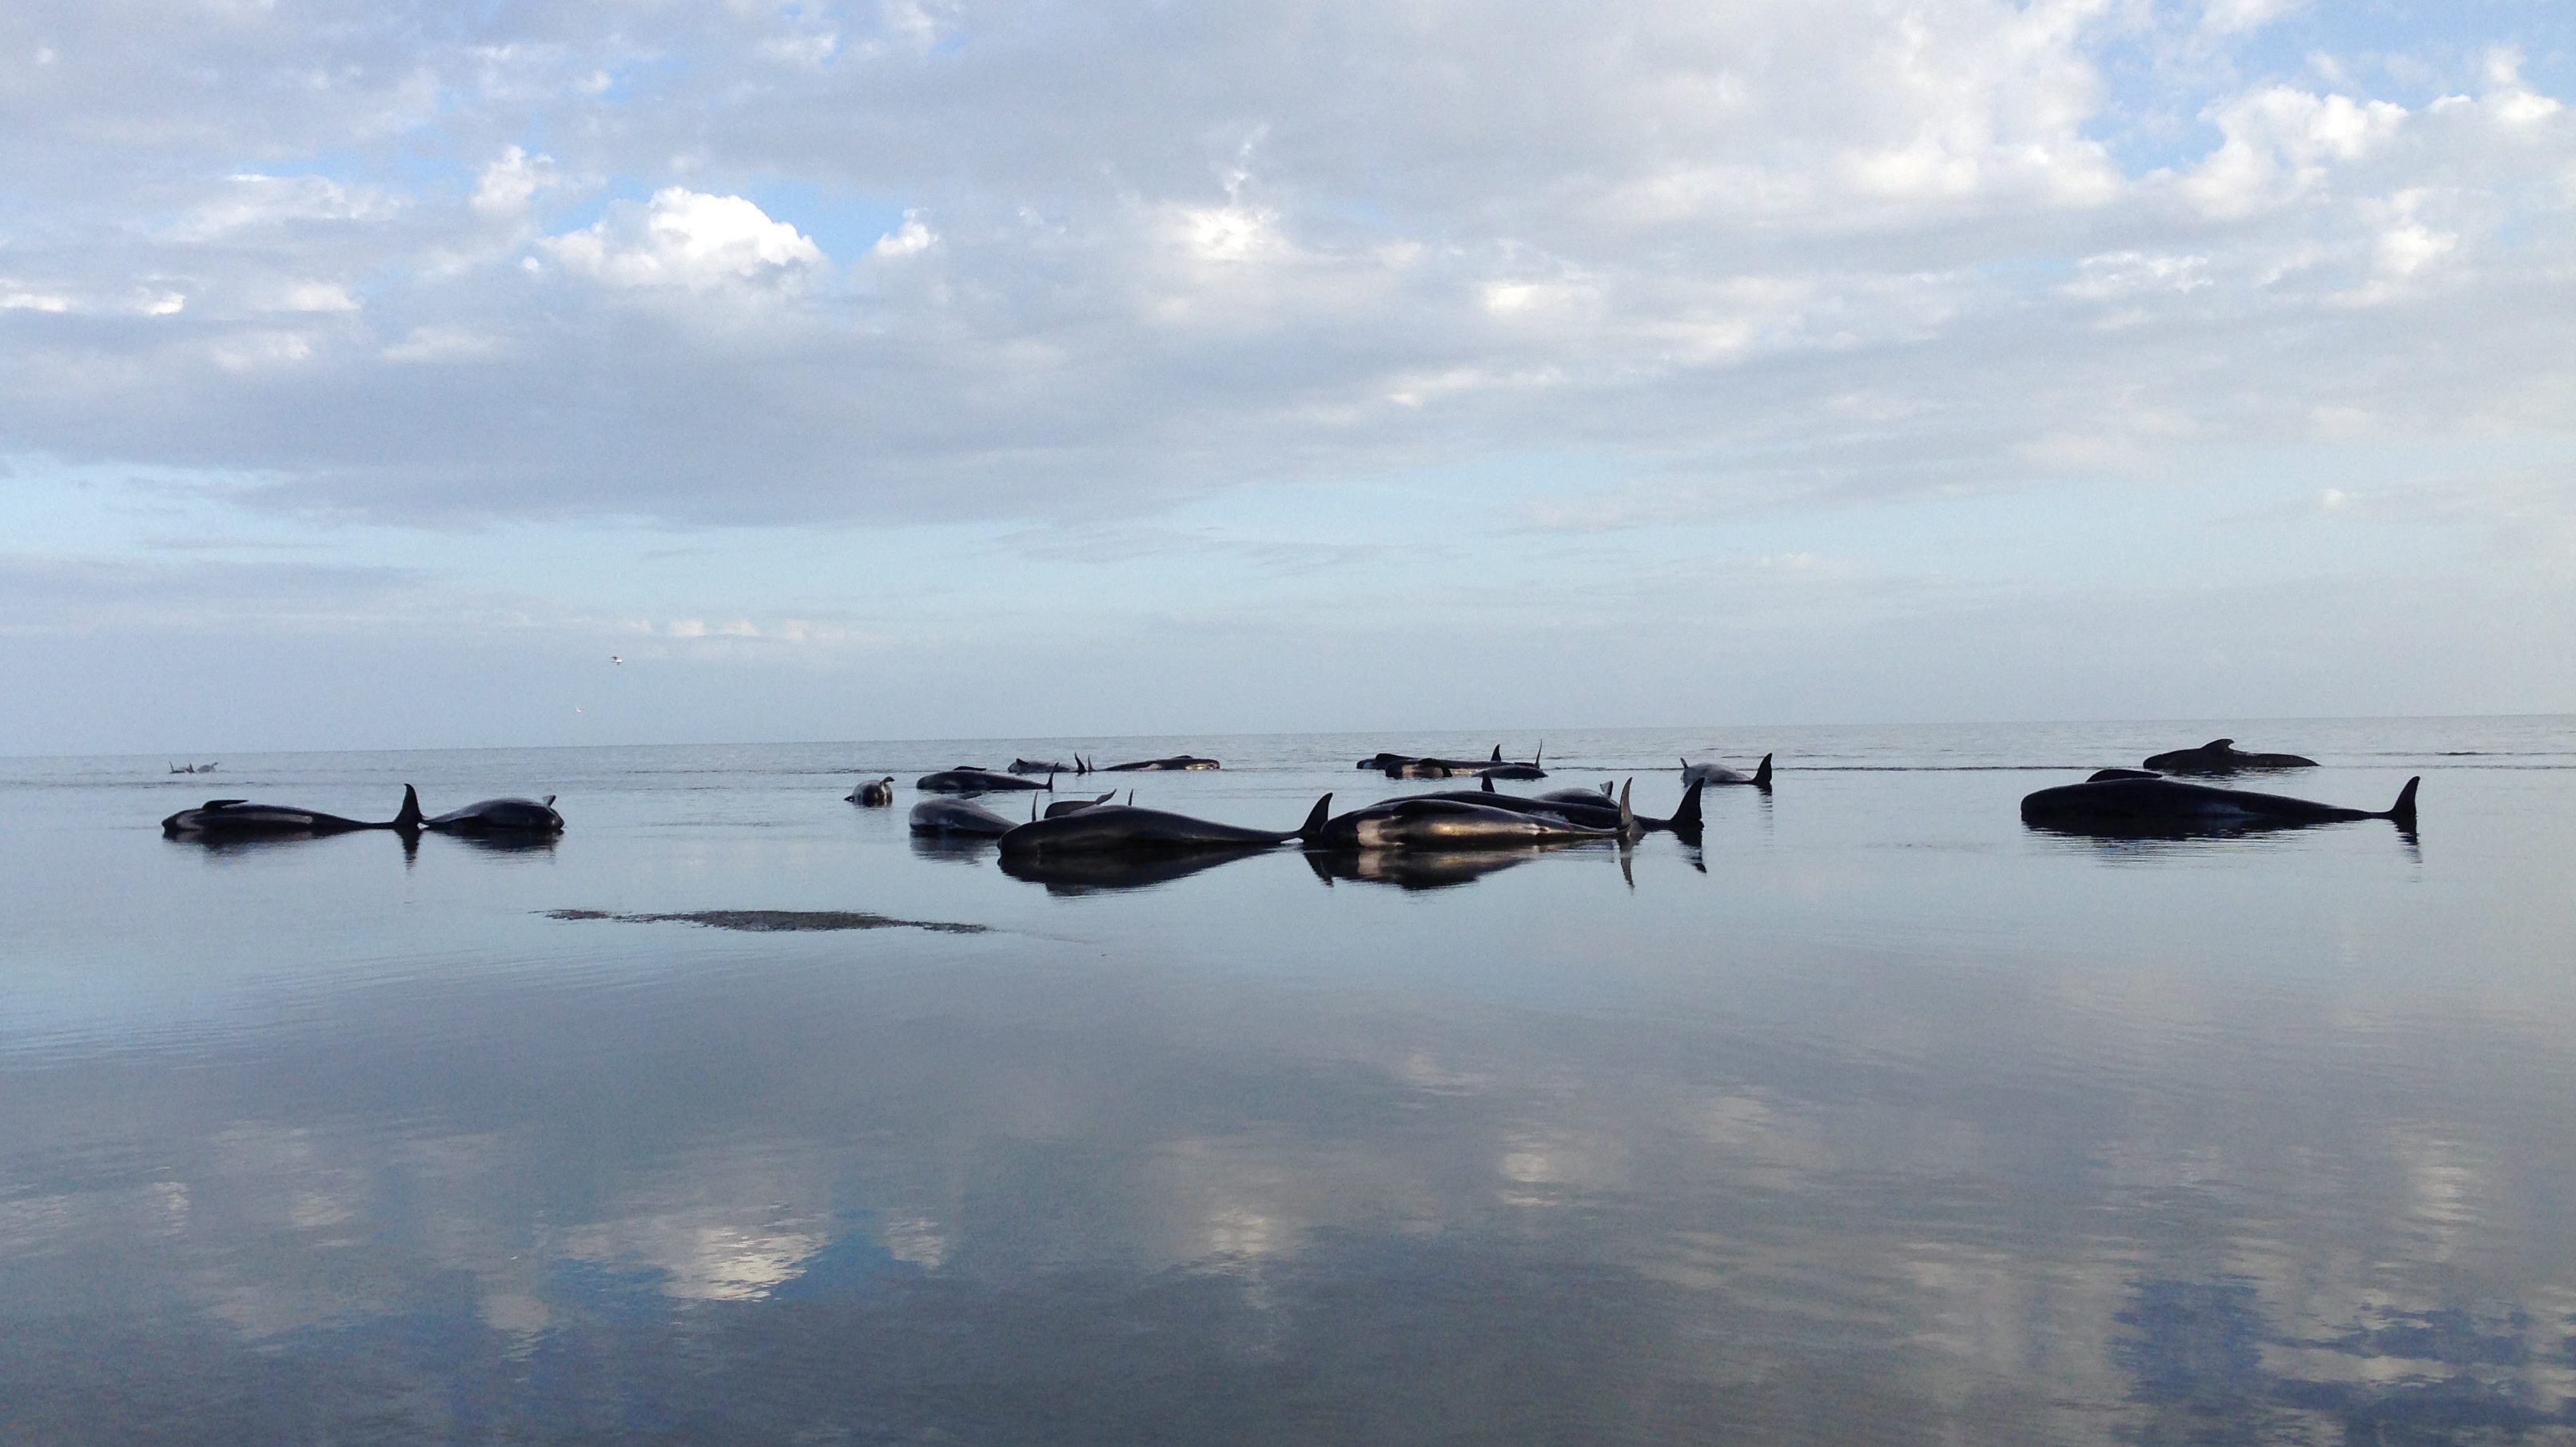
(1418,869)
(1093,873)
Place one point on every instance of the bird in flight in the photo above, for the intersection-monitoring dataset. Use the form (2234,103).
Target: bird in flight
(616,658)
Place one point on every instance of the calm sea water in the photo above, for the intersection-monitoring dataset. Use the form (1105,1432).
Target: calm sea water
(1876,1119)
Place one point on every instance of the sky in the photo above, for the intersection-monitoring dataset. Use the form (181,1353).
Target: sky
(372,372)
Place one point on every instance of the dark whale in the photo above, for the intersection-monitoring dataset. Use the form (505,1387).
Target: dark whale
(222,819)
(1177,763)
(1075,806)
(875,793)
(1760,778)
(967,779)
(500,816)
(2170,807)
(956,816)
(1406,766)
(2221,756)
(1125,828)
(1034,766)
(1425,822)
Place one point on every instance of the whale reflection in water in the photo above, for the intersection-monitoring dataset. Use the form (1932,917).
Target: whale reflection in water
(1095,873)
(1418,869)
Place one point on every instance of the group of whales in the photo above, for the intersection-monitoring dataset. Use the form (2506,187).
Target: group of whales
(2143,801)
(223,820)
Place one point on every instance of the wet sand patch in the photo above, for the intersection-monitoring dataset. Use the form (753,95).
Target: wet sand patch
(773,921)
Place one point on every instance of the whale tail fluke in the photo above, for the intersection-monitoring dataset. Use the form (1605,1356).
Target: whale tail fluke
(2404,809)
(1313,829)
(1686,819)
(408,820)
(1762,774)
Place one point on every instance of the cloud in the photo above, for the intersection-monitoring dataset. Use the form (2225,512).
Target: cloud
(684,238)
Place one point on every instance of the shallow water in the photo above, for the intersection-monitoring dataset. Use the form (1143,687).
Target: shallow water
(1879,1118)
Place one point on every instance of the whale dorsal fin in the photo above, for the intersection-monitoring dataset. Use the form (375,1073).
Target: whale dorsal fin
(1498,754)
(1489,783)
(223,803)
(2219,745)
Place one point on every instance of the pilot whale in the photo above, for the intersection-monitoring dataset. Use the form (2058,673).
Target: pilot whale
(500,816)
(875,793)
(967,779)
(2221,756)
(1044,766)
(1115,828)
(2128,805)
(1760,778)
(1177,763)
(956,816)
(219,819)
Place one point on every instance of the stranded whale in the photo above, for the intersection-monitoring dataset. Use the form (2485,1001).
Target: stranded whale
(875,793)
(2151,806)
(1125,828)
(500,816)
(1600,810)
(956,816)
(1423,822)
(967,779)
(1062,807)
(220,819)
(1177,763)
(2221,756)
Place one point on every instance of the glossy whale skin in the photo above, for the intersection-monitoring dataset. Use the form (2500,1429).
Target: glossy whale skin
(2132,805)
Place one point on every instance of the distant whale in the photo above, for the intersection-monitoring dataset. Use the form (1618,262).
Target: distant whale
(220,819)
(2221,756)
(2134,806)
(1178,763)
(1036,766)
(956,816)
(1760,778)
(1125,828)
(500,816)
(875,793)
(967,779)
(1406,766)
(1425,822)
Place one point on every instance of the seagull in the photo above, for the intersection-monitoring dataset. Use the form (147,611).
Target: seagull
(616,658)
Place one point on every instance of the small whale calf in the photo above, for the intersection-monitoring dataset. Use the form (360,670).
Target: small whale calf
(874,793)
(957,817)
(2129,805)
(2221,756)
(968,779)
(1760,778)
(218,820)
(1177,763)
(523,817)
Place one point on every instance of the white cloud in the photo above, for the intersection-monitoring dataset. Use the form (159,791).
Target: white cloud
(688,239)
(508,184)
(912,237)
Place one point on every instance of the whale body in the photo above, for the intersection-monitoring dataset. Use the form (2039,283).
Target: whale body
(1177,763)
(967,779)
(1125,828)
(500,816)
(222,819)
(2221,756)
(956,816)
(1424,822)
(1062,807)
(1760,778)
(875,793)
(1593,810)
(2157,806)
